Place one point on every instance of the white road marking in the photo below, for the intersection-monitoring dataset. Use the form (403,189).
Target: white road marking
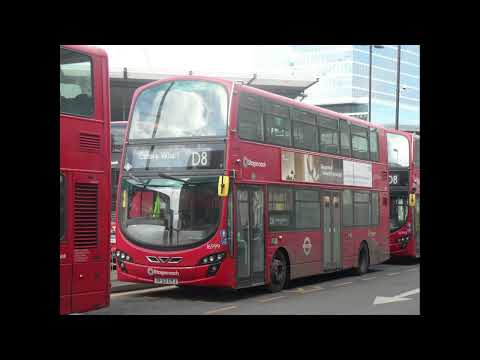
(399,297)
(295,291)
(414,269)
(314,288)
(342,284)
(221,309)
(395,273)
(270,299)
(144,291)
(370,278)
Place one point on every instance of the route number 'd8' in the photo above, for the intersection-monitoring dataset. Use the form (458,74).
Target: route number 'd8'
(393,180)
(199,158)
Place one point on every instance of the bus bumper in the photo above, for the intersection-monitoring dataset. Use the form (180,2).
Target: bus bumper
(189,275)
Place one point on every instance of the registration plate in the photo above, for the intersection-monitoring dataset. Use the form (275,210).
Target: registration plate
(166,281)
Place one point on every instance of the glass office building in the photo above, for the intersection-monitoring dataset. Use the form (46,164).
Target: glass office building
(343,80)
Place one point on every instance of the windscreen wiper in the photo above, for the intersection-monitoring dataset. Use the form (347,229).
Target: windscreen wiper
(165,176)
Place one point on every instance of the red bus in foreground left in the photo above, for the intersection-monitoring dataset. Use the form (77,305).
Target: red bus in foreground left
(84,179)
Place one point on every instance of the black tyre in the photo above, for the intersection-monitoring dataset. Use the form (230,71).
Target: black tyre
(363,261)
(278,272)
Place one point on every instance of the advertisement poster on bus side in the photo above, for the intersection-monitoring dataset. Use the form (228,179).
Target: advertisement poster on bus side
(320,169)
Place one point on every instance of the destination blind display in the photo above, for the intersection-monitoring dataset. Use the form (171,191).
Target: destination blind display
(176,157)
(398,178)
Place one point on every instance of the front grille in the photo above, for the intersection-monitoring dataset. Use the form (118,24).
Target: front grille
(89,142)
(85,228)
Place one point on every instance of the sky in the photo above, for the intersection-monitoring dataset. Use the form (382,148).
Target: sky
(201,59)
(165,58)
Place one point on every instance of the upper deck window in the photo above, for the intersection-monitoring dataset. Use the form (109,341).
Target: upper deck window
(360,142)
(328,134)
(398,151)
(277,124)
(304,130)
(183,108)
(345,141)
(250,122)
(75,83)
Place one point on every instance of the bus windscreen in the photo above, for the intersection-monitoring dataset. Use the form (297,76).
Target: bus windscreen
(180,109)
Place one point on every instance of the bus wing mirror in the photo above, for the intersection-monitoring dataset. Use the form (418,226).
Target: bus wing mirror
(223,184)
(411,200)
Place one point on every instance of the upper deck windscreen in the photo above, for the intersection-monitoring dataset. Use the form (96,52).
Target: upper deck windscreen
(398,151)
(183,108)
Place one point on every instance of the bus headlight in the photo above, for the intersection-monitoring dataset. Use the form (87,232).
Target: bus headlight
(122,258)
(212,259)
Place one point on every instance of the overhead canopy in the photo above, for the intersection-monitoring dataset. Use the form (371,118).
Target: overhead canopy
(124,83)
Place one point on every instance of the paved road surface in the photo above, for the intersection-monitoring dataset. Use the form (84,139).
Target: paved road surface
(330,294)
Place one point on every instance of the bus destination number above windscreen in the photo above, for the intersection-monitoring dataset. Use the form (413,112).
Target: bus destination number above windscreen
(398,178)
(178,157)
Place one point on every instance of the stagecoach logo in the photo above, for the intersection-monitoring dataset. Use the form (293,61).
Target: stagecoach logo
(307,246)
(63,256)
(152,271)
(247,162)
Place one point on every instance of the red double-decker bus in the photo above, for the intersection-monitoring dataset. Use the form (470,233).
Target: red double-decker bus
(84,179)
(404,180)
(117,132)
(225,185)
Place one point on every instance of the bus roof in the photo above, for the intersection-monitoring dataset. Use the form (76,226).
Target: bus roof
(259,92)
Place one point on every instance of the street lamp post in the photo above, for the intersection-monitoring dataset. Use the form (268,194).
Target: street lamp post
(370,85)
(397,105)
(370,80)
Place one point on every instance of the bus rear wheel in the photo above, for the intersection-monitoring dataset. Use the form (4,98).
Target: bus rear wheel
(278,272)
(363,261)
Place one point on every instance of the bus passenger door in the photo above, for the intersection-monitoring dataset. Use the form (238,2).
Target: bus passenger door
(250,236)
(331,231)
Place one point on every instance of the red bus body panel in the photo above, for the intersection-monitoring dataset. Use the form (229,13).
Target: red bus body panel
(84,272)
(190,273)
(408,229)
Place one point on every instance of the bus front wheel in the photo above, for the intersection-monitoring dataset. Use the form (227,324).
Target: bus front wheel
(278,272)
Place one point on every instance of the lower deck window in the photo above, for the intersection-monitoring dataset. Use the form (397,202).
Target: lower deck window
(280,208)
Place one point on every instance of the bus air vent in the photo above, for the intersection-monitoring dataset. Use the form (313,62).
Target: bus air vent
(89,142)
(85,227)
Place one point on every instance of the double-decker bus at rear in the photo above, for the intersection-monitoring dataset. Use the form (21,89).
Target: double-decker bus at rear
(84,179)
(229,186)
(117,137)
(404,179)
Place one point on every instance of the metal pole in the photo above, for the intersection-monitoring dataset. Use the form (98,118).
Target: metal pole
(370,86)
(398,88)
